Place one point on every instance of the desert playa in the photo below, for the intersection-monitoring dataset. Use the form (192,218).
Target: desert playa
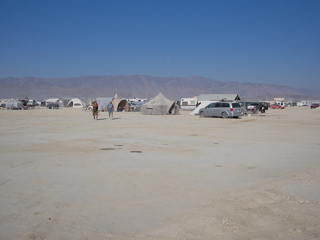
(64,175)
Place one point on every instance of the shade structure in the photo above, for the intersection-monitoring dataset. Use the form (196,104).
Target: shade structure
(120,104)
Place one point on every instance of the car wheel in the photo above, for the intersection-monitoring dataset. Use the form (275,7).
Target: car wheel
(224,115)
(202,114)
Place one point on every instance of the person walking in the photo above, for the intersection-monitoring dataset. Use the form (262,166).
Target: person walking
(95,111)
(110,109)
(262,108)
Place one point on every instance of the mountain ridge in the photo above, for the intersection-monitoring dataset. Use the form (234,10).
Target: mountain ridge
(143,86)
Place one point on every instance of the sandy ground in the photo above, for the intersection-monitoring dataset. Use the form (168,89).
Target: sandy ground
(64,175)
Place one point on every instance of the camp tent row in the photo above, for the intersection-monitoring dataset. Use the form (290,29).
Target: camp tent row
(160,105)
(118,103)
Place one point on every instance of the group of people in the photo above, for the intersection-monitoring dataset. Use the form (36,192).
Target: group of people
(95,110)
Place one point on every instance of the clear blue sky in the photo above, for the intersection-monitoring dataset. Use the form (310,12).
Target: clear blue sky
(259,41)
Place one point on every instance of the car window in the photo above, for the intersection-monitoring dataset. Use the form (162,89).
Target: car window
(235,105)
(210,105)
(218,105)
(225,105)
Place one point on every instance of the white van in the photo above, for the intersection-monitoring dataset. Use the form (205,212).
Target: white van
(222,109)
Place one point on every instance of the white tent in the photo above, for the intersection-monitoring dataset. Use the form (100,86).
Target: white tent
(13,103)
(203,104)
(76,103)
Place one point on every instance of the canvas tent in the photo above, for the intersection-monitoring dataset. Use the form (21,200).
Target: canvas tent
(160,105)
(203,104)
(120,104)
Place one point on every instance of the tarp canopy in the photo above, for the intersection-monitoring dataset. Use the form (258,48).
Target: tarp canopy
(160,105)
(103,103)
(52,100)
(203,104)
(120,104)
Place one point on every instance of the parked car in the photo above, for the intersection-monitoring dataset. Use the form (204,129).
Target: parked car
(258,105)
(222,109)
(15,108)
(32,103)
(276,106)
(314,105)
(53,106)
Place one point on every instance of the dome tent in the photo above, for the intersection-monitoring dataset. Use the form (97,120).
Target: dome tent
(160,105)
(76,103)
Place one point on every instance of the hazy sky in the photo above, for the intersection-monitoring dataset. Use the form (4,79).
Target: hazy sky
(260,41)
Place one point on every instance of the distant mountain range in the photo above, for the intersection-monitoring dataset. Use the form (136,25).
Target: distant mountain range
(142,86)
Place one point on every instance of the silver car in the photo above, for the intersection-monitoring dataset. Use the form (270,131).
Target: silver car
(222,109)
